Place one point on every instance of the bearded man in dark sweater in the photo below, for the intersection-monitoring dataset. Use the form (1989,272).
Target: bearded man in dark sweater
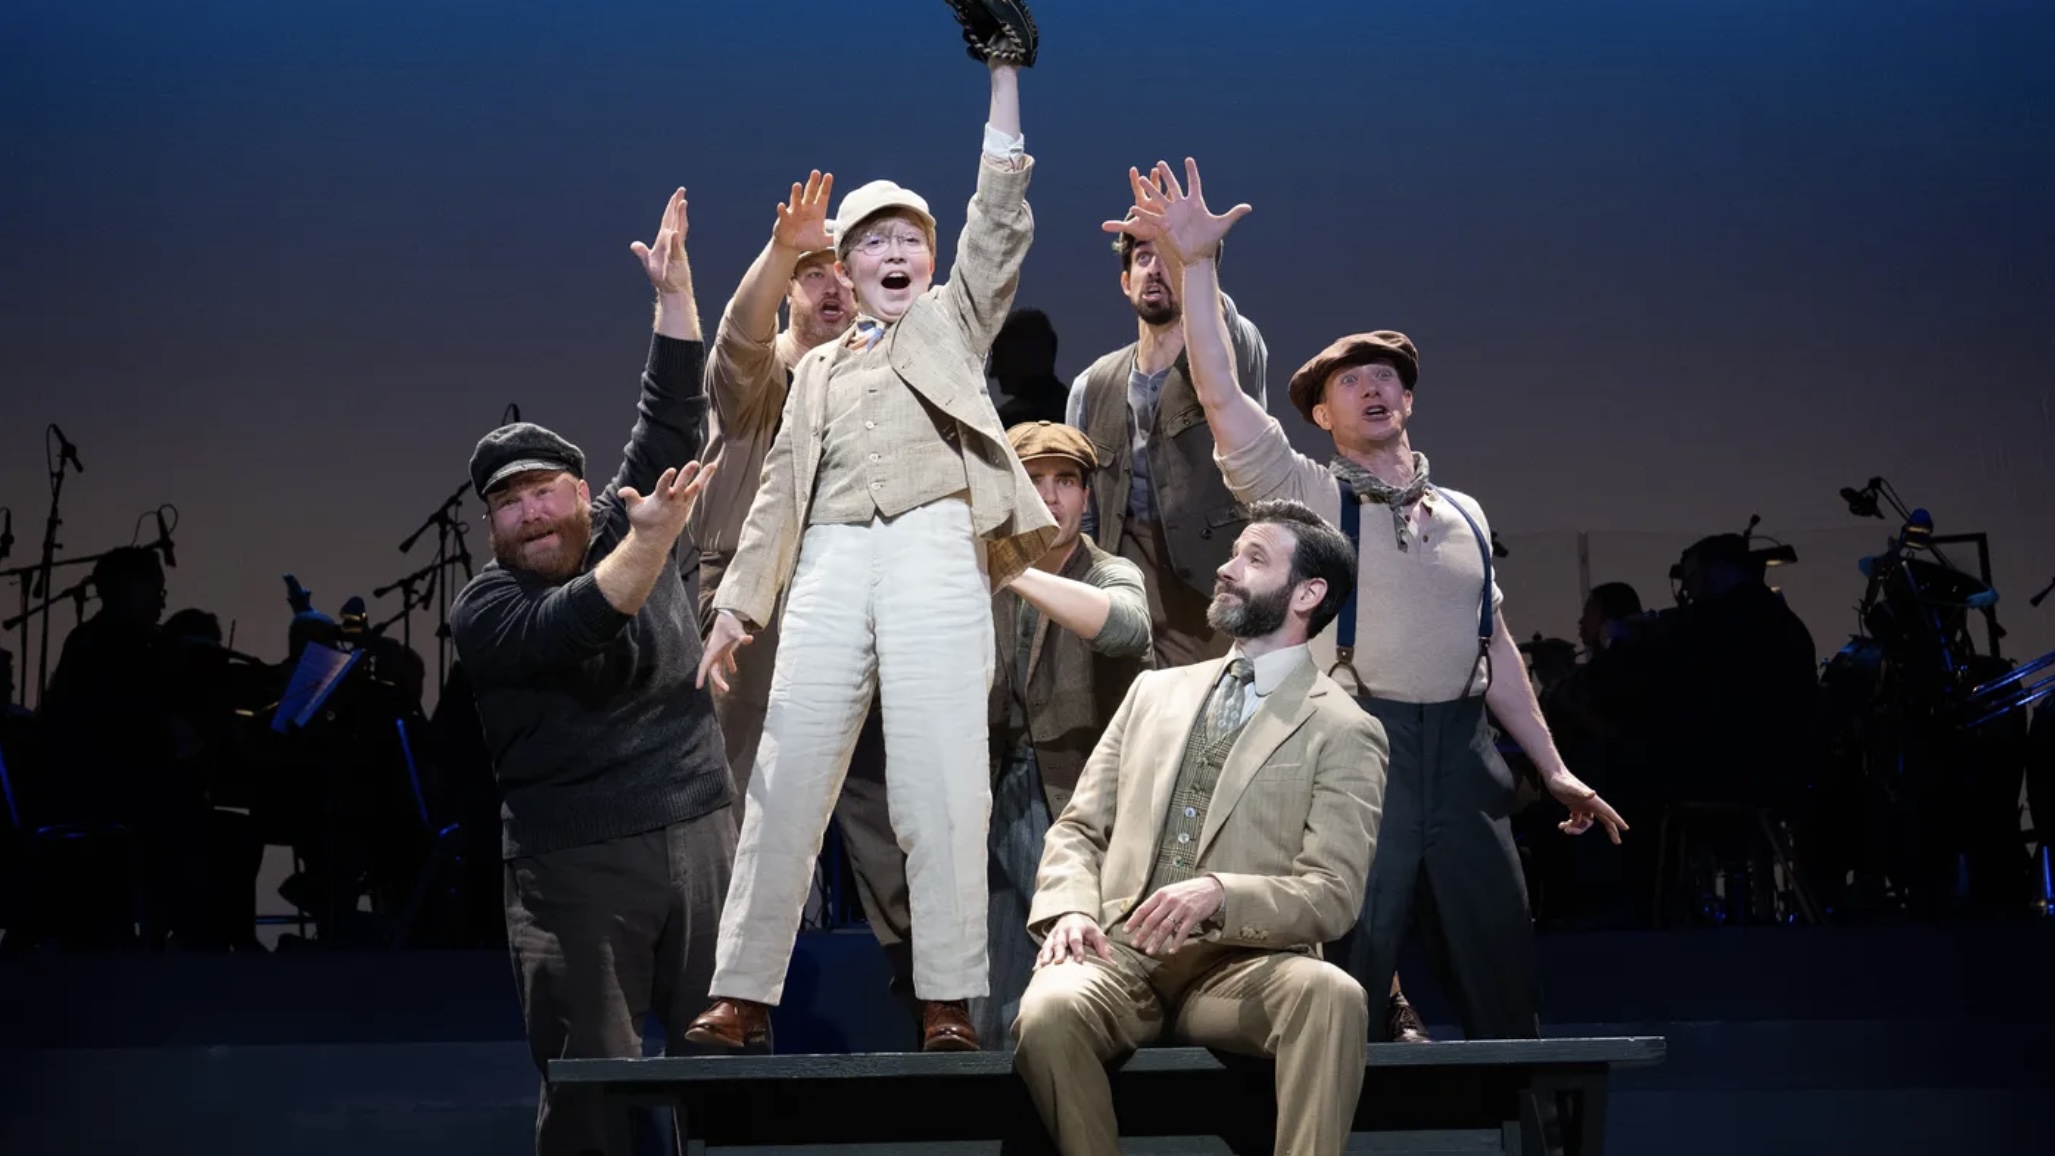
(582,642)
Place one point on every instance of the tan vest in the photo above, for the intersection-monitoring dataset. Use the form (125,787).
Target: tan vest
(1072,693)
(1201,519)
(885,450)
(1191,796)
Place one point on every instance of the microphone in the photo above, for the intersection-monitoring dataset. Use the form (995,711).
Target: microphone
(66,452)
(164,540)
(2037,599)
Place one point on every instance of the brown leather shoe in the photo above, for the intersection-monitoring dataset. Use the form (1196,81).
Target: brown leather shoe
(945,1027)
(732,1023)
(1402,1023)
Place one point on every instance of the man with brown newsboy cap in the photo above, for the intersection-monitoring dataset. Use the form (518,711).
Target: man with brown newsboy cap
(1071,633)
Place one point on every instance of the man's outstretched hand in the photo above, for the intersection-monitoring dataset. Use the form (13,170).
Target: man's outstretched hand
(665,260)
(1586,808)
(803,219)
(717,659)
(663,513)
(1175,217)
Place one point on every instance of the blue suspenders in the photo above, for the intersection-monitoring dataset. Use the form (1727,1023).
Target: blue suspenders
(1345,622)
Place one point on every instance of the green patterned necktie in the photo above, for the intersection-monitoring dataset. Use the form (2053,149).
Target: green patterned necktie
(1224,713)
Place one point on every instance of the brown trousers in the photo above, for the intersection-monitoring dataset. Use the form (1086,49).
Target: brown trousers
(1309,1015)
(604,935)
(1177,613)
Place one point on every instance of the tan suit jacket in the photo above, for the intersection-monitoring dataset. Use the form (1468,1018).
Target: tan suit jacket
(1290,831)
(938,348)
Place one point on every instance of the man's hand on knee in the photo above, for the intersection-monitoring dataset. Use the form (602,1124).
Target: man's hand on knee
(1075,937)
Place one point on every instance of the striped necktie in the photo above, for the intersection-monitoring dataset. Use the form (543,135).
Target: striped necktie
(1224,713)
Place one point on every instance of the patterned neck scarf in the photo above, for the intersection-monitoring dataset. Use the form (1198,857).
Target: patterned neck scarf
(1368,486)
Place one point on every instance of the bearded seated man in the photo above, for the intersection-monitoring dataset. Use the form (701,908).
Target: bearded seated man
(1220,833)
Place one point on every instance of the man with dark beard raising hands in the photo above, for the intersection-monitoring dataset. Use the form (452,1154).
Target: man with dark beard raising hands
(1157,499)
(582,643)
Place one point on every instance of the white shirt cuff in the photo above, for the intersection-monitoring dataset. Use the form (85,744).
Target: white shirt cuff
(1004,146)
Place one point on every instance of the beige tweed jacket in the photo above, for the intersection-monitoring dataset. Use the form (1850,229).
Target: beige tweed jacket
(1290,831)
(938,348)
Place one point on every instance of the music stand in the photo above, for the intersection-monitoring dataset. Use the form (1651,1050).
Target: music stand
(320,671)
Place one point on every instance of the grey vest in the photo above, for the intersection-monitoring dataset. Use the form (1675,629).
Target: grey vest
(1201,519)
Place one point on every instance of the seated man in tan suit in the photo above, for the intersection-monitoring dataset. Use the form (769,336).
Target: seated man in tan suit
(1219,835)
(890,507)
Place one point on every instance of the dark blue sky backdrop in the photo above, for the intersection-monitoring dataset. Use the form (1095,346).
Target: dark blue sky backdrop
(1668,264)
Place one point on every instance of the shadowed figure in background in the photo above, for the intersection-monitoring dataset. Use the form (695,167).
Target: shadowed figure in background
(116,752)
(1024,364)
(1722,691)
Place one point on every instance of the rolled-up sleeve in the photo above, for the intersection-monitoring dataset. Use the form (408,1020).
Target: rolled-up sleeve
(1126,632)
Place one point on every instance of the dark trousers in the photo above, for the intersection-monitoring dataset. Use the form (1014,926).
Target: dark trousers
(604,935)
(1446,865)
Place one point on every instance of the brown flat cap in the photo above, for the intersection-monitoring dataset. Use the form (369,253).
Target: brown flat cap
(1047,439)
(1355,349)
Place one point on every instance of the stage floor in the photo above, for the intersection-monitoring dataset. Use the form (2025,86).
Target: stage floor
(1873,1040)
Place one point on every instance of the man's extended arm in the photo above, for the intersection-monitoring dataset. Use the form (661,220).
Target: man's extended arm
(670,420)
(1236,418)
(1109,609)
(743,377)
(1511,700)
(1251,352)
(997,227)
(1177,220)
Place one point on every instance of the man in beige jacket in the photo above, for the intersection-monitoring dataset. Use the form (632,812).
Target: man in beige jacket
(891,507)
(1220,833)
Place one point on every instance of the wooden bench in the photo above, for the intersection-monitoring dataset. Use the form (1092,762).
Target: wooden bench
(1500,1096)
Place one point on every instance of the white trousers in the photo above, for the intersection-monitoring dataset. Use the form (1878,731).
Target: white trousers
(899,607)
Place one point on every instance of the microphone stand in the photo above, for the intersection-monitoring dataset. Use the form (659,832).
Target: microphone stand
(26,579)
(446,522)
(65,456)
(411,600)
(76,594)
(452,534)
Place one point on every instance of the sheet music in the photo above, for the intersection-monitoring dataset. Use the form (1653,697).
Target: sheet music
(320,671)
